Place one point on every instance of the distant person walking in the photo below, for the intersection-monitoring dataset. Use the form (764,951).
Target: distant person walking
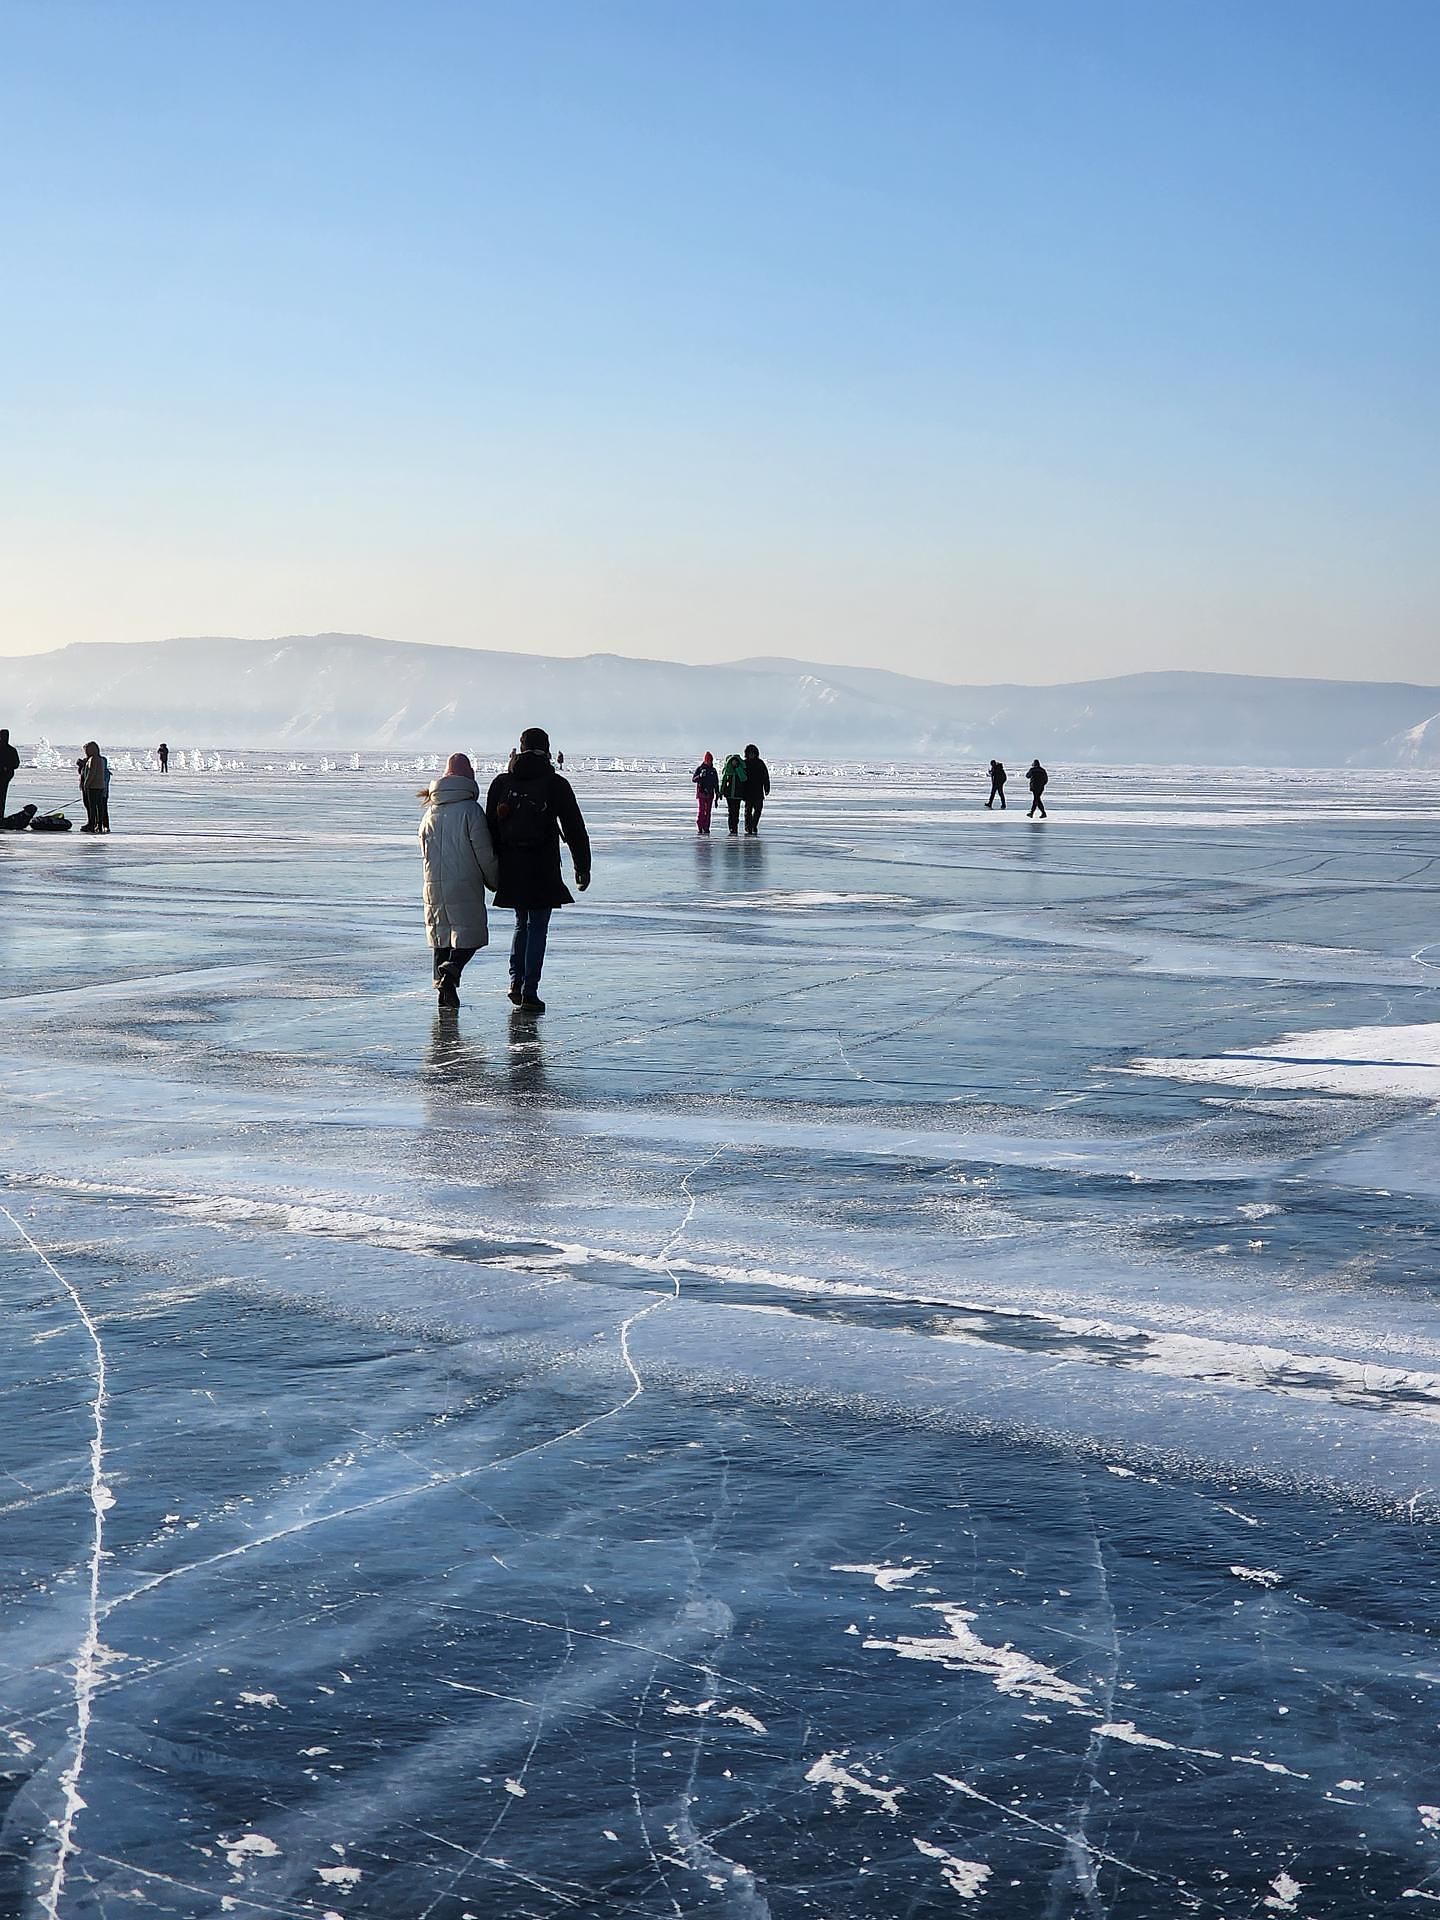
(707,786)
(94,771)
(530,809)
(757,785)
(998,778)
(460,864)
(9,765)
(1037,779)
(162,754)
(732,788)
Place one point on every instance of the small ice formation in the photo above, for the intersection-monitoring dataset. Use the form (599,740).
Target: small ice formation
(843,1781)
(1284,1892)
(888,1579)
(965,1877)
(961,1649)
(246,1847)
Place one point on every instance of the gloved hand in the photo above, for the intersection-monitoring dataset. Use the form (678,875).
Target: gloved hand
(582,881)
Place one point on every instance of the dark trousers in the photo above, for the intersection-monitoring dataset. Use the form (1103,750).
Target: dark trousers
(456,957)
(5,779)
(997,792)
(753,809)
(527,949)
(1036,801)
(732,806)
(95,809)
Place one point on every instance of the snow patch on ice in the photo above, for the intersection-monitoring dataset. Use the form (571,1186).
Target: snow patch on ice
(248,1846)
(961,1649)
(842,1781)
(965,1877)
(1284,1892)
(1400,1063)
(885,1577)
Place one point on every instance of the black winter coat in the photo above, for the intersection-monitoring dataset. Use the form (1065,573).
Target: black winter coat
(530,874)
(757,780)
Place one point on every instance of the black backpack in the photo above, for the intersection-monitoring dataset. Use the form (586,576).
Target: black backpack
(525,817)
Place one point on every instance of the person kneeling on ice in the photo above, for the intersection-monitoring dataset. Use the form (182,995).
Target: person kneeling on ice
(460,864)
(18,822)
(531,808)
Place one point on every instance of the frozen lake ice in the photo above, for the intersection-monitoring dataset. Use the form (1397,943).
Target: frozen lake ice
(913,1390)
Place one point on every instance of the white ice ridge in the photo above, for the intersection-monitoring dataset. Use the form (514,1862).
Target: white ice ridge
(960,1648)
(89,1655)
(1399,1062)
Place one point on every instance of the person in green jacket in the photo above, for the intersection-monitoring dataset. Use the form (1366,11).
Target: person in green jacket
(732,788)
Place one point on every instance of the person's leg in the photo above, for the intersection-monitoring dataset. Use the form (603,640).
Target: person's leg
(536,931)
(104,811)
(753,810)
(460,958)
(732,804)
(517,951)
(1002,799)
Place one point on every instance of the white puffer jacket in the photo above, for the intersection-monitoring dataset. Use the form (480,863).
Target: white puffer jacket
(460,864)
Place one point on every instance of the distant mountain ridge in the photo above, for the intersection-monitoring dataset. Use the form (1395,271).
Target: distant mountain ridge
(338,691)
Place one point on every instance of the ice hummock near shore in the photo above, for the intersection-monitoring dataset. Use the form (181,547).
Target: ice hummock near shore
(913,1389)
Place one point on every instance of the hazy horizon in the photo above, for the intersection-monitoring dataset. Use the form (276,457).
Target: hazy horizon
(1024,344)
(738,660)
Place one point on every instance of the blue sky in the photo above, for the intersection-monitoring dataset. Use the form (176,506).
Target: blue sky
(1012,341)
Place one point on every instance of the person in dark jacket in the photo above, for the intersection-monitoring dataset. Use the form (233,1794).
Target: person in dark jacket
(530,809)
(1038,779)
(757,785)
(707,784)
(162,754)
(9,765)
(18,822)
(732,788)
(998,778)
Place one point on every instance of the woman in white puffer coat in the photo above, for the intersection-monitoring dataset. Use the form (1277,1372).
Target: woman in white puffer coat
(460,864)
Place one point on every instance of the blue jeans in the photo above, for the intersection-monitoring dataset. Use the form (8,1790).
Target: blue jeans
(527,949)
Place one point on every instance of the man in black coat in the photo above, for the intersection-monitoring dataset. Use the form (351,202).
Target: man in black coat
(530,809)
(757,785)
(9,765)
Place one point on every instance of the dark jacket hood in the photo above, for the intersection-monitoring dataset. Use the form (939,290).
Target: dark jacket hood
(531,765)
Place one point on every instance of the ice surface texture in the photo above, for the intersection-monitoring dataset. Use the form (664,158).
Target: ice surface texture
(912,1391)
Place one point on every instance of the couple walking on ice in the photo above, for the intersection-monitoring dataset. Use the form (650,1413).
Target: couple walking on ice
(742,781)
(511,846)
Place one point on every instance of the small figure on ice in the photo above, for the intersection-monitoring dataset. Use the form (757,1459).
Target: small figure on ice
(707,786)
(732,788)
(757,785)
(997,784)
(1037,779)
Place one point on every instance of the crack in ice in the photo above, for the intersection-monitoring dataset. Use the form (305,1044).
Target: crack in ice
(88,1656)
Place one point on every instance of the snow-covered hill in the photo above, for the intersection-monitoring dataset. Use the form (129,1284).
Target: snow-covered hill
(343,691)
